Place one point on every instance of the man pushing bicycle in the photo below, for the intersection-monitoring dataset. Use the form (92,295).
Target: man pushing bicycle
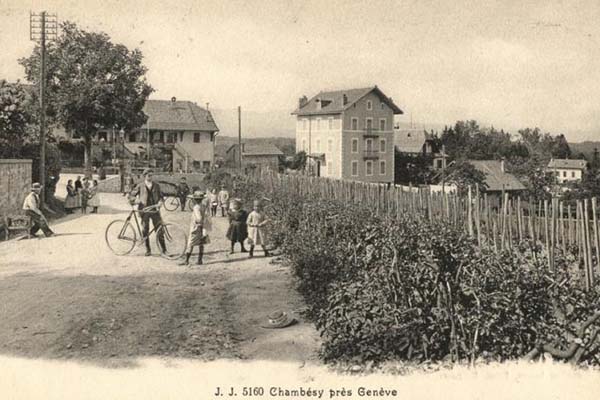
(147,194)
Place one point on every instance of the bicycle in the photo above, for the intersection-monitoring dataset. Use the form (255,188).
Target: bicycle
(172,203)
(122,235)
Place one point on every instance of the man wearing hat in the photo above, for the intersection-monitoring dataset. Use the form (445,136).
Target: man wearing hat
(31,206)
(147,193)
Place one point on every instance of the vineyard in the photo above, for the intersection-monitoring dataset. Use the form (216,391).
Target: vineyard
(395,275)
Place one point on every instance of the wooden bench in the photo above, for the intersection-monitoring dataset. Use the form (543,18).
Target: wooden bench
(16,223)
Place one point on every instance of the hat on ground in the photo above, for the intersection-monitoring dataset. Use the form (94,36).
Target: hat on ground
(147,171)
(198,195)
(278,320)
(36,186)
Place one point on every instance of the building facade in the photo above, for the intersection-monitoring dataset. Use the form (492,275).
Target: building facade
(254,155)
(348,134)
(181,133)
(567,170)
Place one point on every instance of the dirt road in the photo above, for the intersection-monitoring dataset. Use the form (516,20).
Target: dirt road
(69,297)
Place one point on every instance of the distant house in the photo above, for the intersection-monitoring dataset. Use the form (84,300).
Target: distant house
(348,134)
(264,155)
(567,170)
(414,142)
(497,180)
(182,130)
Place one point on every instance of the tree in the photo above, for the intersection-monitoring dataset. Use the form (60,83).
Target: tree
(463,174)
(14,118)
(409,169)
(92,83)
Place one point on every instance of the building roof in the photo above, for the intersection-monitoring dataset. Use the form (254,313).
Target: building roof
(567,164)
(178,116)
(336,104)
(495,178)
(410,140)
(263,149)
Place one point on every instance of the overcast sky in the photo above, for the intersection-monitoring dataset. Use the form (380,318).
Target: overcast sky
(501,62)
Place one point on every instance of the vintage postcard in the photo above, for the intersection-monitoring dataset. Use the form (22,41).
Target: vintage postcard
(271,199)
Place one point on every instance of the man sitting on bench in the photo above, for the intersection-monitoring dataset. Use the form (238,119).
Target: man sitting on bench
(31,206)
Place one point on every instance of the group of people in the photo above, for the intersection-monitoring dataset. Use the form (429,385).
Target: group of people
(215,200)
(243,226)
(82,194)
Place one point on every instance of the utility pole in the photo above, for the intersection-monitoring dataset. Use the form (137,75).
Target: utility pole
(240,136)
(43,27)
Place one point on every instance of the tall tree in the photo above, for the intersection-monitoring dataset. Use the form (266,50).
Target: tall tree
(14,118)
(92,83)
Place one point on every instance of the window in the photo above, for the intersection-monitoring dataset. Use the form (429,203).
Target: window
(171,137)
(382,124)
(369,123)
(572,174)
(382,146)
(304,124)
(557,173)
(330,121)
(369,168)
(382,167)
(318,146)
(355,168)
(369,105)
(369,143)
(382,105)
(181,136)
(318,123)
(354,126)
(355,145)
(329,168)
(304,145)
(196,137)
(330,145)
(564,174)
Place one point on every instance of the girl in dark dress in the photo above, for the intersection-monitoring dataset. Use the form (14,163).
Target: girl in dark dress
(238,230)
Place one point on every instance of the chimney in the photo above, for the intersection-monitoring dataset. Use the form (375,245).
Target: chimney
(302,101)
(344,99)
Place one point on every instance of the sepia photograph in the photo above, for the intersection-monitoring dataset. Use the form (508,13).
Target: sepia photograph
(299,199)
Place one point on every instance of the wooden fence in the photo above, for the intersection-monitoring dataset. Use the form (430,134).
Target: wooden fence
(552,226)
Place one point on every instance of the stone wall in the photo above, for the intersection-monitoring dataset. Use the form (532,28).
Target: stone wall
(15,184)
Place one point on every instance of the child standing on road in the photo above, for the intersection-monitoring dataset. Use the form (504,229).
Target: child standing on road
(238,231)
(199,225)
(257,231)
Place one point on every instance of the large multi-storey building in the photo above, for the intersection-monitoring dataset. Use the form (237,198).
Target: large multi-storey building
(348,134)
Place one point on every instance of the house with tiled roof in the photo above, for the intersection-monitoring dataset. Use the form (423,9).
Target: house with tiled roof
(348,134)
(567,170)
(416,141)
(179,131)
(262,155)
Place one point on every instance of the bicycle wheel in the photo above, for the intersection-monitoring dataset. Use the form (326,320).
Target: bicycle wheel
(120,237)
(171,203)
(175,241)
